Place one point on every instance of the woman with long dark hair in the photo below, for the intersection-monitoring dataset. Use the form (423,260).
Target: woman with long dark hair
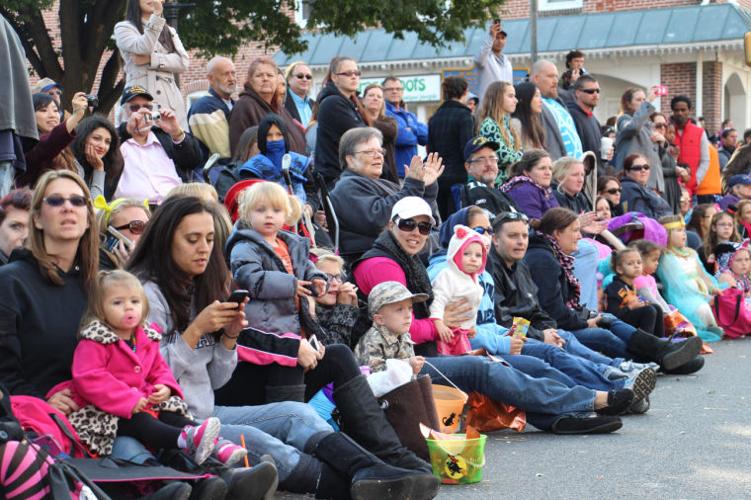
(153,54)
(97,154)
(185,277)
(527,119)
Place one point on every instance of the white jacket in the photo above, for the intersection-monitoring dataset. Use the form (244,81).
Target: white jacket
(493,68)
(158,77)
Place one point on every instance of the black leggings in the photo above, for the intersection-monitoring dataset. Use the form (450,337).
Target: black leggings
(157,434)
(648,318)
(248,384)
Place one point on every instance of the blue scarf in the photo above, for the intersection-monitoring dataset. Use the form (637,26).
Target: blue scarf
(275,150)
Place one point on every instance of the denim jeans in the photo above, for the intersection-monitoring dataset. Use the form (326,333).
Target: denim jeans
(278,429)
(504,383)
(131,450)
(580,370)
(612,342)
(585,262)
(573,346)
(537,368)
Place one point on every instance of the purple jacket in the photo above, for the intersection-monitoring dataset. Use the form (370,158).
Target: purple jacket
(727,200)
(532,200)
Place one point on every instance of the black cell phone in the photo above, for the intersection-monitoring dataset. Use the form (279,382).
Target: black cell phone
(238,296)
(312,288)
(497,21)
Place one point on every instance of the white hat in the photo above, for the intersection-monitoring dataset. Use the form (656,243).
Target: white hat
(411,206)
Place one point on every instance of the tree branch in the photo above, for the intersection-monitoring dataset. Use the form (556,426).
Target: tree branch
(40,37)
(70,19)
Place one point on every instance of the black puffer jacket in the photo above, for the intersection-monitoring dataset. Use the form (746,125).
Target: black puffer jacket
(336,115)
(516,295)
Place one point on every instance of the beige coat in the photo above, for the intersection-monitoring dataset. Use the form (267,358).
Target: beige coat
(158,77)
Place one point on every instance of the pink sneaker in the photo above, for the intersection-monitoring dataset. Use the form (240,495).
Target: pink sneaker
(228,452)
(200,440)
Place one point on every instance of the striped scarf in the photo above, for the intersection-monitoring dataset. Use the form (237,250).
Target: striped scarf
(567,264)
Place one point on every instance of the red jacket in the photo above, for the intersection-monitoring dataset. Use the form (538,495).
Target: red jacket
(689,144)
(108,374)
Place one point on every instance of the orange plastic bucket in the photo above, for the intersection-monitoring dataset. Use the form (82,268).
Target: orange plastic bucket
(449,404)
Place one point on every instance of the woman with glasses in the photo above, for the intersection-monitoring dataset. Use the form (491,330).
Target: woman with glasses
(394,257)
(121,224)
(671,171)
(609,188)
(258,98)
(51,152)
(336,311)
(339,110)
(153,54)
(97,152)
(636,135)
(362,200)
(637,196)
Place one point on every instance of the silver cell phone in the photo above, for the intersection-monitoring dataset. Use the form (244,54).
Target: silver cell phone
(313,341)
(114,237)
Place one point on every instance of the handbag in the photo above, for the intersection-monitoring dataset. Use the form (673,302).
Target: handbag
(408,406)
(731,312)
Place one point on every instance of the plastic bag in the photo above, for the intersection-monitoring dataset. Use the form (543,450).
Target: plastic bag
(398,372)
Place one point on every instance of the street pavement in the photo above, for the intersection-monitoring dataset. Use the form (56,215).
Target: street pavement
(694,443)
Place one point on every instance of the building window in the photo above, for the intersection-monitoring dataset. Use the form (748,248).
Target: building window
(302,12)
(551,5)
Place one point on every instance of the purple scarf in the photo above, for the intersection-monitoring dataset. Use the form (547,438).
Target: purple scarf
(521,179)
(567,264)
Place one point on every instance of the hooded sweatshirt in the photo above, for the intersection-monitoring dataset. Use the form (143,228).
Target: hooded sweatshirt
(453,283)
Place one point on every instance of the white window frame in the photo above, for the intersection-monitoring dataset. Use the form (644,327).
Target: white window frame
(548,6)
(299,12)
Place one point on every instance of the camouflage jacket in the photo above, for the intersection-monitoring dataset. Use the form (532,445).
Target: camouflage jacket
(378,345)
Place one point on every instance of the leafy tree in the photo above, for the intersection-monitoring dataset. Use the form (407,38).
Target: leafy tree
(218,27)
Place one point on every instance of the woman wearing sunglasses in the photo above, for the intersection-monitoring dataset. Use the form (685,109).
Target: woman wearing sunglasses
(363,201)
(339,110)
(636,135)
(637,196)
(668,157)
(394,257)
(121,224)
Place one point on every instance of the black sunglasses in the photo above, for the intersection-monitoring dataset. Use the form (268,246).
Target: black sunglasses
(303,76)
(58,201)
(409,225)
(638,168)
(590,91)
(134,226)
(613,190)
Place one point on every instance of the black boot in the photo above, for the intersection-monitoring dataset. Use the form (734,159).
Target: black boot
(171,491)
(363,419)
(371,478)
(280,393)
(668,355)
(211,488)
(692,366)
(251,483)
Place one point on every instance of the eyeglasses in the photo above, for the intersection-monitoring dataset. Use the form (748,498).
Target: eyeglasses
(590,91)
(349,74)
(135,107)
(639,168)
(134,226)
(483,230)
(614,190)
(58,201)
(393,89)
(724,224)
(484,159)
(409,225)
(335,277)
(303,76)
(661,125)
(371,153)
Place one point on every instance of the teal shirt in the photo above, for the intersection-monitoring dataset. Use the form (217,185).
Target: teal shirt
(304,107)
(567,127)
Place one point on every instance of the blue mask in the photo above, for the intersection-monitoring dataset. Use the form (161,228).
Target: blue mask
(275,151)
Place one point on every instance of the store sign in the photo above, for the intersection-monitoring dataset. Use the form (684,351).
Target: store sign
(423,88)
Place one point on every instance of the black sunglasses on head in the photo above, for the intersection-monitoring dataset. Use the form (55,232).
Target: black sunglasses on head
(409,225)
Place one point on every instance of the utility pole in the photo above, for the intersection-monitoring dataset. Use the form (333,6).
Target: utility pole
(533,30)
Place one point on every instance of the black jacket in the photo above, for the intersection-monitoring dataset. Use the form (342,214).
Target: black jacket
(449,130)
(637,198)
(578,203)
(516,295)
(336,115)
(588,129)
(38,325)
(552,288)
(493,200)
(187,155)
(291,107)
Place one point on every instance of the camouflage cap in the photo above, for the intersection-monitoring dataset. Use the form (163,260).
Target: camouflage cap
(390,292)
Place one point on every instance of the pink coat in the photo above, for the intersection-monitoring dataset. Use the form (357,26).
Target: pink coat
(109,375)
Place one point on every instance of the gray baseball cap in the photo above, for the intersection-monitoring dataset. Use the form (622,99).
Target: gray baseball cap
(390,292)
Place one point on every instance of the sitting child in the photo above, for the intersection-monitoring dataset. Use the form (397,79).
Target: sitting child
(734,269)
(390,306)
(466,258)
(687,285)
(622,298)
(123,385)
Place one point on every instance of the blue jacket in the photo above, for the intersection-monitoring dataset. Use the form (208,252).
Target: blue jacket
(410,133)
(259,166)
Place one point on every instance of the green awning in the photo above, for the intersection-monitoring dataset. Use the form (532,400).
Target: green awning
(587,31)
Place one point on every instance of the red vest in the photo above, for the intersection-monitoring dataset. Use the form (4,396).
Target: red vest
(689,142)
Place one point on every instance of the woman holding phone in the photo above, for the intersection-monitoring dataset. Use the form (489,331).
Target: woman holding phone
(121,224)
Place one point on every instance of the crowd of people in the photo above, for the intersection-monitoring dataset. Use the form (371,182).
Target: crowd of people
(188,279)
